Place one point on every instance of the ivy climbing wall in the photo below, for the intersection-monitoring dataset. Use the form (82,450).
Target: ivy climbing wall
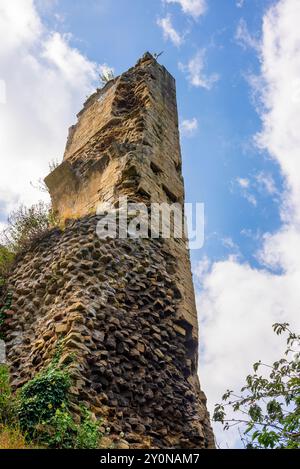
(122,310)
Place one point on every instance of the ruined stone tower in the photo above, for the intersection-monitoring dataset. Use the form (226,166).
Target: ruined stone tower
(125,308)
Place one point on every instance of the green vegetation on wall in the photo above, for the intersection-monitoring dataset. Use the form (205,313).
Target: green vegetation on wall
(26,224)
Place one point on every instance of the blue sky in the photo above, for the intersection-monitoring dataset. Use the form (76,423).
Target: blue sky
(221,150)
(237,68)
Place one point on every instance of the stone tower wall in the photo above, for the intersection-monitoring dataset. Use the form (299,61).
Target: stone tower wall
(124,308)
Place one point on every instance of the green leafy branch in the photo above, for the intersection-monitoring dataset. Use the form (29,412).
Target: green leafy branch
(268,408)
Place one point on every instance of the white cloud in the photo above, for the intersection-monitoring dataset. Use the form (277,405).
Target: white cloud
(194,71)
(261,182)
(229,243)
(244,38)
(238,306)
(19,26)
(189,127)
(47,81)
(201,269)
(245,186)
(251,198)
(2,92)
(243,182)
(266,183)
(169,31)
(194,8)
(240,3)
(239,303)
(280,85)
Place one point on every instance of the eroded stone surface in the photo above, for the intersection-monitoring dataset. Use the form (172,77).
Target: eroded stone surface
(124,143)
(114,305)
(124,308)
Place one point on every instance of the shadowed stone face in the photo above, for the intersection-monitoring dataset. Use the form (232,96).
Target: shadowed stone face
(124,308)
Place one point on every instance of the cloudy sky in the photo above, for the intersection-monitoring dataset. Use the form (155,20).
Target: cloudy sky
(237,67)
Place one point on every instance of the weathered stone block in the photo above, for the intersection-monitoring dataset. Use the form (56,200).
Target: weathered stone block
(125,308)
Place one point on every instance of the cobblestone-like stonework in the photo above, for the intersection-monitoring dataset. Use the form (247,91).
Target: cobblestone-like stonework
(122,309)
(114,304)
